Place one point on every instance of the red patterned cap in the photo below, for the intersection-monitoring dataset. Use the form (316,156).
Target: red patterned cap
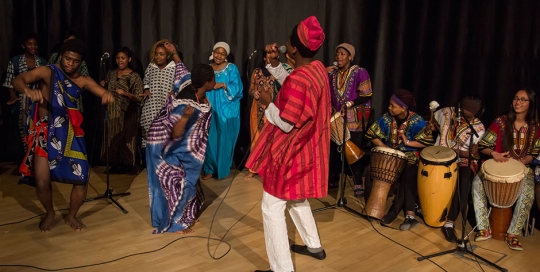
(310,33)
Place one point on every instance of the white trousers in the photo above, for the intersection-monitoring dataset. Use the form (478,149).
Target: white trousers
(275,230)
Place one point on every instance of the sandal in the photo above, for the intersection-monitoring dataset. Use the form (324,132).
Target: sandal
(482,235)
(358,190)
(513,243)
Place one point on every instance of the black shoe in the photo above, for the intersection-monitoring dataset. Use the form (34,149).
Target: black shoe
(387,219)
(449,234)
(304,251)
(408,224)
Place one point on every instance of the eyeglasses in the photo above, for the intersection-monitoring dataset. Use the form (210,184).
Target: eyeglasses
(522,100)
(220,53)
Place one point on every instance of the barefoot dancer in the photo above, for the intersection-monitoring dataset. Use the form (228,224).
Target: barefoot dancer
(176,149)
(56,149)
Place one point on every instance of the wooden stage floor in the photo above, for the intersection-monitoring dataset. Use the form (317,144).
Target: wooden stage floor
(351,243)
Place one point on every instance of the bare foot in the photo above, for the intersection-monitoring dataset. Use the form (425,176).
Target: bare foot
(74,224)
(46,223)
(186,231)
(207,176)
(249,176)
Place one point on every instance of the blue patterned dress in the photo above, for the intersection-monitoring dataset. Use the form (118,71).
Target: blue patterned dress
(174,165)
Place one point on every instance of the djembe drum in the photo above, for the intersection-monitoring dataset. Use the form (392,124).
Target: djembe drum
(386,167)
(437,176)
(502,184)
(352,152)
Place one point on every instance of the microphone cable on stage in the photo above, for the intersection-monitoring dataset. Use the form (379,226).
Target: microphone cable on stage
(392,240)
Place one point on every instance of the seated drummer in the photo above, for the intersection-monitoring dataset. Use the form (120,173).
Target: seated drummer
(396,129)
(457,137)
(515,136)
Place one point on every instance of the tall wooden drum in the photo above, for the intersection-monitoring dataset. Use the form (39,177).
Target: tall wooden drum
(437,176)
(502,183)
(386,167)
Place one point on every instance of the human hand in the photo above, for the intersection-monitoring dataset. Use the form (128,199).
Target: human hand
(188,111)
(169,47)
(265,98)
(256,95)
(272,51)
(430,126)
(34,95)
(220,85)
(12,100)
(500,157)
(331,69)
(525,160)
(145,94)
(107,98)
(120,92)
(290,61)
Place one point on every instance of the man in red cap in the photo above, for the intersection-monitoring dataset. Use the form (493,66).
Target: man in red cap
(292,153)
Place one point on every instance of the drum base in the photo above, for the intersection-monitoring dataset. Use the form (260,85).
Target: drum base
(499,221)
(376,204)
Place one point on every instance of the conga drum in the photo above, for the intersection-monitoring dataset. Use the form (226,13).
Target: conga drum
(502,184)
(437,176)
(385,168)
(352,152)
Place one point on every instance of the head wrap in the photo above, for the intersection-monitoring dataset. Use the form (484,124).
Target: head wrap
(307,36)
(347,47)
(223,45)
(404,98)
(470,105)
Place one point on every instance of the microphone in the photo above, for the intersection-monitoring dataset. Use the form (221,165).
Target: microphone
(105,56)
(282,49)
(334,63)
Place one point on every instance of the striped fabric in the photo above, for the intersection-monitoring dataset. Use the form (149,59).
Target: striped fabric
(295,165)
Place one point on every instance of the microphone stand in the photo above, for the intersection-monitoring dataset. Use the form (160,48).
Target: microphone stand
(342,200)
(108,192)
(462,243)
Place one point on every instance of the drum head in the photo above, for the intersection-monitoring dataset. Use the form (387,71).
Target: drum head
(388,150)
(510,171)
(438,155)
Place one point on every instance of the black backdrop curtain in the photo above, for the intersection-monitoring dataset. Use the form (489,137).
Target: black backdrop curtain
(436,49)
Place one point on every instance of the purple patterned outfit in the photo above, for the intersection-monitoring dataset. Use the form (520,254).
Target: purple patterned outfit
(174,165)
(353,85)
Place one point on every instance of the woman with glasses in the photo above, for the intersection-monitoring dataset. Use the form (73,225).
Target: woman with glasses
(511,136)
(225,101)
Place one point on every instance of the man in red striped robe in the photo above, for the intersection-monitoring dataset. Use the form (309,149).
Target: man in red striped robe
(292,152)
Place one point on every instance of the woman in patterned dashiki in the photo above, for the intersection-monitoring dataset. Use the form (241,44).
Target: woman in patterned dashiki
(158,83)
(512,136)
(351,86)
(225,100)
(123,126)
(263,80)
(20,104)
(176,147)
(396,129)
